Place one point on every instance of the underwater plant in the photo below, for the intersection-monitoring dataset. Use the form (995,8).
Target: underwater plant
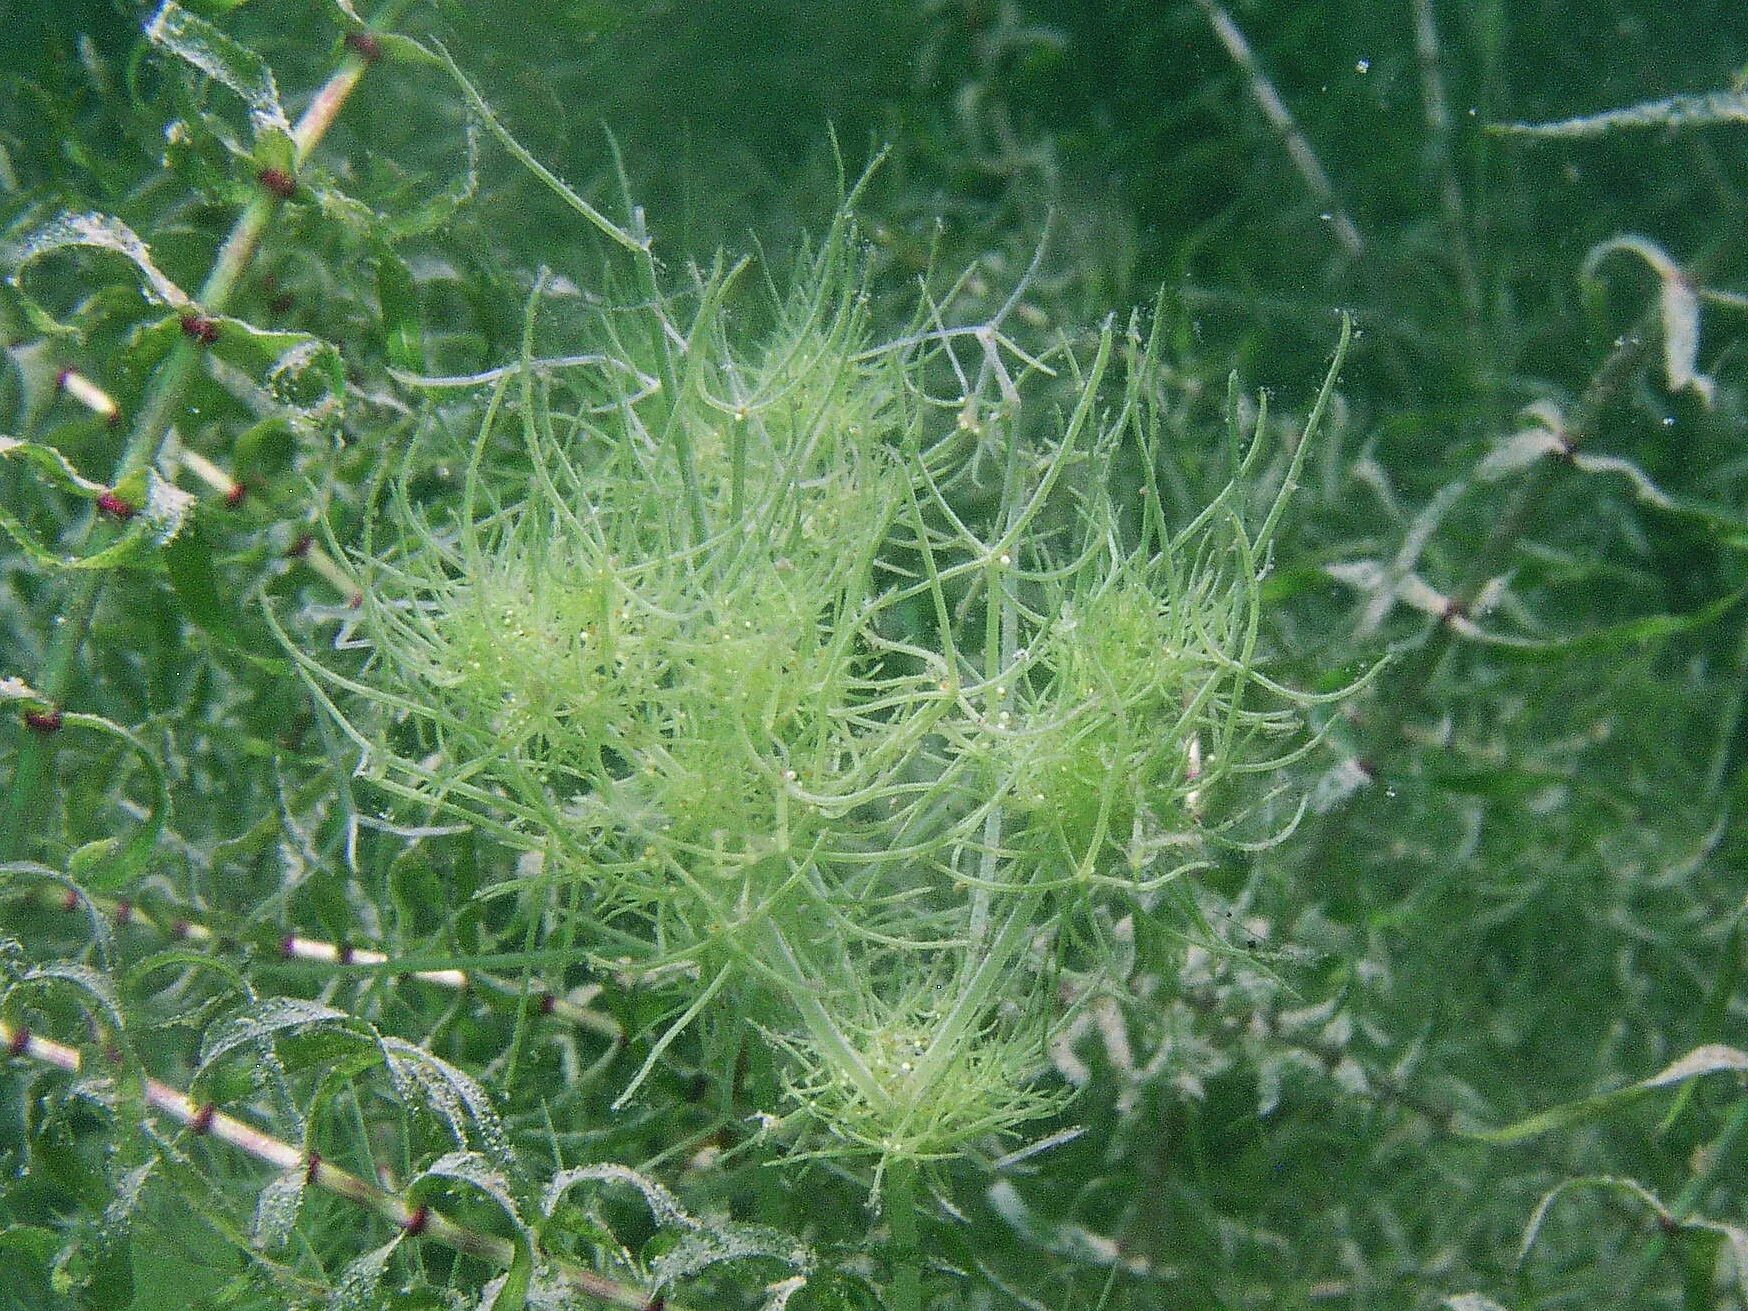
(816,679)
(546,767)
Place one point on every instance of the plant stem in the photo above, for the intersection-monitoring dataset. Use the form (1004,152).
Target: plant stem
(899,1198)
(1713,1157)
(1414,676)
(417,1219)
(295,947)
(975,990)
(821,1027)
(163,403)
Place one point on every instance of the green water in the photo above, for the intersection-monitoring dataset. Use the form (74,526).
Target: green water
(1444,1009)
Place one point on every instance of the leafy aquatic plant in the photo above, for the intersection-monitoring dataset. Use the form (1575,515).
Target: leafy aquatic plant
(793,820)
(818,677)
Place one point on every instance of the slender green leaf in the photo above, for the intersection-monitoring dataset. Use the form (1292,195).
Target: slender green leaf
(1712,1059)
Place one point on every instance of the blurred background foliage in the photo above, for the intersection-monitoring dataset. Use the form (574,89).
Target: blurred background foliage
(1519,883)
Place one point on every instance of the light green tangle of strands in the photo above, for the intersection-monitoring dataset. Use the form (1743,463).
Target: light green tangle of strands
(682,662)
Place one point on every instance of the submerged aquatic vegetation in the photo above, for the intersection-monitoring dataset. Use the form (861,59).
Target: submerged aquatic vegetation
(832,678)
(767,748)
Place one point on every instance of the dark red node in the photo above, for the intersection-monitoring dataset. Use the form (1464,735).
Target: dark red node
(365,46)
(19,1041)
(115,507)
(235,496)
(415,1223)
(43,721)
(200,328)
(202,1120)
(278,182)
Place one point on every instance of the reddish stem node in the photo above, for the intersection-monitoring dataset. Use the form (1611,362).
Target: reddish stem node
(364,45)
(19,1041)
(312,1166)
(200,328)
(278,182)
(124,912)
(43,721)
(235,496)
(299,547)
(70,902)
(416,1221)
(115,507)
(202,1120)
